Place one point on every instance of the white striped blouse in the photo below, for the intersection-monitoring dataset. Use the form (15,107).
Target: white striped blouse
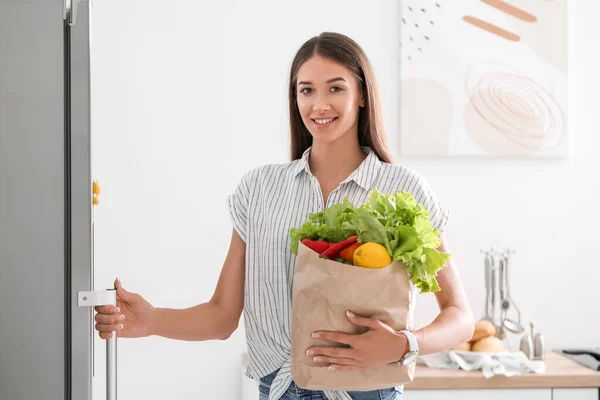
(270,200)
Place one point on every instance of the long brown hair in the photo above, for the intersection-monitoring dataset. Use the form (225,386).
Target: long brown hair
(345,51)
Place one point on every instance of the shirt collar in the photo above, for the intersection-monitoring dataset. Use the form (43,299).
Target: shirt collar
(302,164)
(364,175)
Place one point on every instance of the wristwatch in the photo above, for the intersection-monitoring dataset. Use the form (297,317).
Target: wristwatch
(413,349)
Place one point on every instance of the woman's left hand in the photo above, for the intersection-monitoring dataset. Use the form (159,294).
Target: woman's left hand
(378,346)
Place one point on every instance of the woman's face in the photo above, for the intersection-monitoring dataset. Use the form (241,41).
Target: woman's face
(328,99)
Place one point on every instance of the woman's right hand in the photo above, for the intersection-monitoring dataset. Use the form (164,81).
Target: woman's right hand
(130,318)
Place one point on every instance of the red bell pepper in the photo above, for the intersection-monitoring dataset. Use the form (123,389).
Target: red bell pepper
(334,250)
(318,246)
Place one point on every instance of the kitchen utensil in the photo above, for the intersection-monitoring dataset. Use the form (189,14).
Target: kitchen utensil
(513,326)
(503,303)
(505,298)
(489,270)
(587,357)
(493,289)
(526,345)
(595,353)
(538,346)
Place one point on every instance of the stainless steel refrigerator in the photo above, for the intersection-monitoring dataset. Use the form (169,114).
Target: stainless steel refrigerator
(46,224)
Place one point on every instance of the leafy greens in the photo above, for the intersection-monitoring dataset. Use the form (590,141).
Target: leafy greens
(395,221)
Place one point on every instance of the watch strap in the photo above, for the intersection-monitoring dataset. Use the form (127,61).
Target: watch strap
(413,348)
(412,340)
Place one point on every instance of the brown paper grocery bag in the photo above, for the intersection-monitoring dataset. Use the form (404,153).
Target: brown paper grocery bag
(322,292)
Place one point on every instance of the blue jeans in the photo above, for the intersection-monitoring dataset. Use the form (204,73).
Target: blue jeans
(296,393)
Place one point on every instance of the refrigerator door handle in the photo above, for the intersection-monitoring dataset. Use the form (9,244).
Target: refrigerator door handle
(104,298)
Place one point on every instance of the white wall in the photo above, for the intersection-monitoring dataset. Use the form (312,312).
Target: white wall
(188,97)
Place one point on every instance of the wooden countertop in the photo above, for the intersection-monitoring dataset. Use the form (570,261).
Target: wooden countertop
(561,372)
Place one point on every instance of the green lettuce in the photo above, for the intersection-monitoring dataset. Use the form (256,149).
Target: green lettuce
(395,221)
(327,225)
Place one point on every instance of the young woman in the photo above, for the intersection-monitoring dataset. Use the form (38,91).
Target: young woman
(338,149)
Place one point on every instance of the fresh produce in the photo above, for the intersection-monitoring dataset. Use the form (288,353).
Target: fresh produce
(484,339)
(348,253)
(371,255)
(317,245)
(342,260)
(483,328)
(488,344)
(334,250)
(394,221)
(463,347)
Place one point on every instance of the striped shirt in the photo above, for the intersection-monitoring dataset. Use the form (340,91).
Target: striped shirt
(268,201)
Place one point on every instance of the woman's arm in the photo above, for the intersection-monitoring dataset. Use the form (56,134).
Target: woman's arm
(455,322)
(217,318)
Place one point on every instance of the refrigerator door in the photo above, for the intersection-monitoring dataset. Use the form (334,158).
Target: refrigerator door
(45,202)
(79,190)
(81,295)
(34,327)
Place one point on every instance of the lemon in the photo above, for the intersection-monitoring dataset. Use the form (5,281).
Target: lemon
(372,255)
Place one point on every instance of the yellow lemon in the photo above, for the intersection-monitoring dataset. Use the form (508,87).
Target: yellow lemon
(372,255)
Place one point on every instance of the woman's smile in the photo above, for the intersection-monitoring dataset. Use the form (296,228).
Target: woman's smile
(323,123)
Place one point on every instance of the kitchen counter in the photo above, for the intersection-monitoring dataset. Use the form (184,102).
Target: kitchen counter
(561,372)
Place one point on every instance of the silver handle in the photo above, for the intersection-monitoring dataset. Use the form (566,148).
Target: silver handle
(493,286)
(488,287)
(502,267)
(104,298)
(111,367)
(507,274)
(92,286)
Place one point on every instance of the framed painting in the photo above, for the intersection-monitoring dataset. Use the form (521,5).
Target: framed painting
(484,78)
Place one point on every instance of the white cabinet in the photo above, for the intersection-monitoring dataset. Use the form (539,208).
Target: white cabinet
(504,394)
(575,394)
(476,394)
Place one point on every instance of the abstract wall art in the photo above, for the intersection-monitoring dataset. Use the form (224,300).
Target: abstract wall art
(483,78)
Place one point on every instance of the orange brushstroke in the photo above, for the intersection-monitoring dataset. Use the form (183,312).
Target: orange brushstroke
(496,30)
(512,10)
